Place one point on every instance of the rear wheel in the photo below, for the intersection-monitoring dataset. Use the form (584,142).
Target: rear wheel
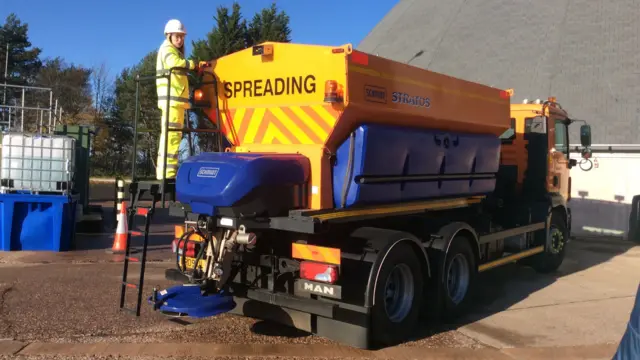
(454,281)
(459,276)
(398,292)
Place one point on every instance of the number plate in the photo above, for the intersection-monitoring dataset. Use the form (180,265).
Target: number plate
(190,263)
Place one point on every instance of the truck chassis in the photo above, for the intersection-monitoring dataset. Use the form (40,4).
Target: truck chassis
(396,263)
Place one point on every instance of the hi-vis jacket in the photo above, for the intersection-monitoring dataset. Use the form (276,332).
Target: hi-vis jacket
(169,57)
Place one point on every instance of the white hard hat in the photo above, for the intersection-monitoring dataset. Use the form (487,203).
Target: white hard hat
(174,26)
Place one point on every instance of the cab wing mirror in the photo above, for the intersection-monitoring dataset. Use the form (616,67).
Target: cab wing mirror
(585,135)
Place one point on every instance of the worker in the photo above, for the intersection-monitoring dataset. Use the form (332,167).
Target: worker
(170,55)
(629,346)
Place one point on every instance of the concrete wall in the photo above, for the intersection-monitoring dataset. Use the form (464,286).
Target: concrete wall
(601,197)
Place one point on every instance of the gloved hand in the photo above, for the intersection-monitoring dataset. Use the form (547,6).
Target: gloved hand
(201,66)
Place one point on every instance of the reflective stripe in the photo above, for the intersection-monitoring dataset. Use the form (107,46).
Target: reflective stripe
(175,125)
(170,156)
(173,98)
(166,72)
(172,166)
(166,56)
(176,95)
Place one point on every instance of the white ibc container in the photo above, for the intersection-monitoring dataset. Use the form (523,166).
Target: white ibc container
(39,163)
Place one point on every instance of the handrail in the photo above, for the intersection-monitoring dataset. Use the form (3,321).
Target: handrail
(167,74)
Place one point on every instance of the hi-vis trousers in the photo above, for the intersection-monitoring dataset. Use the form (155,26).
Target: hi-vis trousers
(176,121)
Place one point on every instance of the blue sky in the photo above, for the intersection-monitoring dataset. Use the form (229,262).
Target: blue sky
(120,32)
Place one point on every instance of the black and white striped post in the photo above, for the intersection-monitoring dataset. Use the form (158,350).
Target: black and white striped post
(118,202)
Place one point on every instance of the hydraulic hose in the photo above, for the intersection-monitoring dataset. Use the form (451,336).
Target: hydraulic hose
(182,244)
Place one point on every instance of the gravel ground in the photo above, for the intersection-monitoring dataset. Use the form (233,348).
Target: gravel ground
(76,301)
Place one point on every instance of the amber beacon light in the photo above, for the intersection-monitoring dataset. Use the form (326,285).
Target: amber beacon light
(331,93)
(198,95)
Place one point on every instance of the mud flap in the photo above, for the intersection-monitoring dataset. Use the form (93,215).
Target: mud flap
(189,300)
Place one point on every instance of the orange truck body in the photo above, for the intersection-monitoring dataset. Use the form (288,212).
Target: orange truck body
(274,101)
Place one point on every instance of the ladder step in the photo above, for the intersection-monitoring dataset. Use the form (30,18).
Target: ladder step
(142,211)
(132,258)
(131,285)
(133,311)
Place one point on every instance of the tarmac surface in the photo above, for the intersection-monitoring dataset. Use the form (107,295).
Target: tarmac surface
(65,306)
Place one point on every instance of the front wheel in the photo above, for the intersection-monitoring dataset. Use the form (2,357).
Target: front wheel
(553,255)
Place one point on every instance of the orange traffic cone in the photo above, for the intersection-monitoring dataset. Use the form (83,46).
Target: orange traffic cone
(120,240)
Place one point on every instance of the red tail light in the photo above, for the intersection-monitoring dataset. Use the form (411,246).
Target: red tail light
(192,247)
(319,272)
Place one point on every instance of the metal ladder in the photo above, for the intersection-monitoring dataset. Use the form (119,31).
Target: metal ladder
(158,189)
(136,191)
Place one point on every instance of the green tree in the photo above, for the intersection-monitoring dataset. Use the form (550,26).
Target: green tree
(113,142)
(231,33)
(24,60)
(228,35)
(122,112)
(268,25)
(71,85)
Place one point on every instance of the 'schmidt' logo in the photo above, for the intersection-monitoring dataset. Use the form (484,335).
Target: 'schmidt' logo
(208,172)
(375,94)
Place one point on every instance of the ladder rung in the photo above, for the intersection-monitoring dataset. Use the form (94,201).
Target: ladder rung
(132,258)
(142,211)
(133,311)
(131,285)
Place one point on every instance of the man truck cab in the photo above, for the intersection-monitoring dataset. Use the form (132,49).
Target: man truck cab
(536,148)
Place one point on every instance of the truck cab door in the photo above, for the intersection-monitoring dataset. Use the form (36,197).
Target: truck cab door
(558,172)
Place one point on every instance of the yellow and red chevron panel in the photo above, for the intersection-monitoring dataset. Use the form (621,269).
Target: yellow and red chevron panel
(315,253)
(286,125)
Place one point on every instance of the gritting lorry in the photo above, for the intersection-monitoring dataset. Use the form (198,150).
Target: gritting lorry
(359,194)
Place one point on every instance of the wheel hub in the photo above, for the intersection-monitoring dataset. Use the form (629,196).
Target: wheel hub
(557,240)
(457,281)
(398,293)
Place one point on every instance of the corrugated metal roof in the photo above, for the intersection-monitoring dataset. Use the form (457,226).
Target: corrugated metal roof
(586,53)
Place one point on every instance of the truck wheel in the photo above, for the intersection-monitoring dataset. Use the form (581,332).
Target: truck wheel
(456,278)
(398,292)
(553,255)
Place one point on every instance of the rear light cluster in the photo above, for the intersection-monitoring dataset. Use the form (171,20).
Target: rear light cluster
(320,272)
(192,248)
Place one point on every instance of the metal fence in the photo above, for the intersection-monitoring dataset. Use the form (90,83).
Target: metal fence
(30,105)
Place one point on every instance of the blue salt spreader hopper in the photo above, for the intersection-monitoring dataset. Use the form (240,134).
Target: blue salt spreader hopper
(189,300)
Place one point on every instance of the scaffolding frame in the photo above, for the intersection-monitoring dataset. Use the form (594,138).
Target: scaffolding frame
(8,120)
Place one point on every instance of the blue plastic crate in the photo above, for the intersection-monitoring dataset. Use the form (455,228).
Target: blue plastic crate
(37,222)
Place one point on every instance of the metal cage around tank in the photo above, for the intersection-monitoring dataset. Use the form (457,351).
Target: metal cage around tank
(167,185)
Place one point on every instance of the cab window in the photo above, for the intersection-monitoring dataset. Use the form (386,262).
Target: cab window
(508,136)
(562,137)
(534,125)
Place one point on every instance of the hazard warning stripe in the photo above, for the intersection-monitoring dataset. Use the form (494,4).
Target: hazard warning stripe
(282,125)
(315,253)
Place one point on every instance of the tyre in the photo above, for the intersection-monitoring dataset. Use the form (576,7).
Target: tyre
(553,255)
(399,289)
(457,278)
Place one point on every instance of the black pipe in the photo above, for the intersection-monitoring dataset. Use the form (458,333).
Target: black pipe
(364,179)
